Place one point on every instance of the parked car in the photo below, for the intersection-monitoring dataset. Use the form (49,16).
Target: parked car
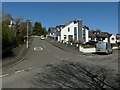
(104,47)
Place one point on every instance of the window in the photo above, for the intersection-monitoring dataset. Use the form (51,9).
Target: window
(64,36)
(83,33)
(98,33)
(84,38)
(75,33)
(68,29)
(112,38)
(75,30)
(70,37)
(103,38)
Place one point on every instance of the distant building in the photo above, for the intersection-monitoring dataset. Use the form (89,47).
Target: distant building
(99,36)
(118,38)
(72,31)
(75,31)
(51,32)
(112,39)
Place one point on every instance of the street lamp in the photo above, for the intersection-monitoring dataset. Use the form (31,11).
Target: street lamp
(27,31)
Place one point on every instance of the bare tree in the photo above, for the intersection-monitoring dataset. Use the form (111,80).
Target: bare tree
(17,24)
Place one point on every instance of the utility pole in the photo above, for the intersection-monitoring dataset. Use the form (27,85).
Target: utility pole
(27,32)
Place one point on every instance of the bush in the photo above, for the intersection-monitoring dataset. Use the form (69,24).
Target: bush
(88,46)
(115,45)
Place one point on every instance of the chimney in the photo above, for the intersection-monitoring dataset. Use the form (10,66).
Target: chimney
(79,29)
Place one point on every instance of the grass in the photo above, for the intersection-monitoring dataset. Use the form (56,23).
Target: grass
(115,45)
(88,46)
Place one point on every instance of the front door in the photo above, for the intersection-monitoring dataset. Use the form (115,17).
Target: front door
(70,37)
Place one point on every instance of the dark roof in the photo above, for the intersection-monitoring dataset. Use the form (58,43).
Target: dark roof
(91,33)
(101,34)
(60,26)
(75,21)
(52,29)
(118,35)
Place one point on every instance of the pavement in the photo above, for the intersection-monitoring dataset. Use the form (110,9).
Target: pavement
(65,47)
(17,55)
(41,53)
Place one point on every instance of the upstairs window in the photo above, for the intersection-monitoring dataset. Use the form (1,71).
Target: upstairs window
(68,29)
(75,30)
(113,38)
(83,33)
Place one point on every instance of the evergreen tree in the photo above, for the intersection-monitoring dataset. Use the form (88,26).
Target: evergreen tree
(38,29)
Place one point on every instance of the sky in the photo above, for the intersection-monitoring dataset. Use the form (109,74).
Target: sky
(95,15)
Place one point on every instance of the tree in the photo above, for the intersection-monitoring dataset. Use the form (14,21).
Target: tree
(17,24)
(7,17)
(44,31)
(12,35)
(98,30)
(38,29)
(8,38)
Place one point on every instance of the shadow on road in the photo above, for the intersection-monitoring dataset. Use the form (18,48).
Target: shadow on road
(76,75)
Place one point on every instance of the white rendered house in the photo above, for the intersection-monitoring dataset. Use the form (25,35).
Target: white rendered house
(112,39)
(74,31)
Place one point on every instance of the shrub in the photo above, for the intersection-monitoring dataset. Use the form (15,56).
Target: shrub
(88,46)
(115,45)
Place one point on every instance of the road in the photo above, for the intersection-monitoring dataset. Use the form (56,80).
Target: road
(42,53)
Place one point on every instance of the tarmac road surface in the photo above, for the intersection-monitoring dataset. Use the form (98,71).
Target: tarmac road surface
(42,53)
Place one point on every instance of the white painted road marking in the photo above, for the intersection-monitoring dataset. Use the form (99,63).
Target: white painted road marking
(38,48)
(3,75)
(19,71)
(30,68)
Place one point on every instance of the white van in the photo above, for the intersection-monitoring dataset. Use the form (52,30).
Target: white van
(104,47)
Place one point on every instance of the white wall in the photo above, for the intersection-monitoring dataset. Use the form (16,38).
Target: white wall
(113,41)
(64,31)
(87,50)
(106,40)
(59,38)
(90,38)
(86,35)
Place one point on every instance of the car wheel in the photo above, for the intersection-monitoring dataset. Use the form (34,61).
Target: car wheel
(111,52)
(108,52)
